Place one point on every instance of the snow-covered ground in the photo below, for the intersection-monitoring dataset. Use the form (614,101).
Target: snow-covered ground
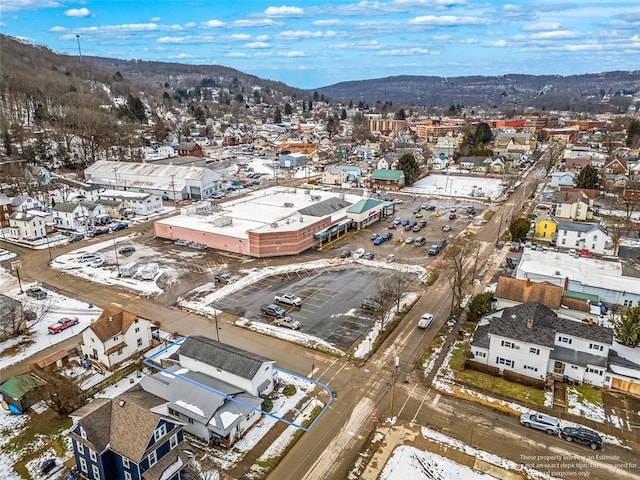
(48,311)
(108,273)
(410,463)
(479,187)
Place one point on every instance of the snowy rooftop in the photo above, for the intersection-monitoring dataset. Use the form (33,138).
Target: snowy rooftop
(123,194)
(274,209)
(588,271)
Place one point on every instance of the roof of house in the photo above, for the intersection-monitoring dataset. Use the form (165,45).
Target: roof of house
(186,146)
(478,160)
(513,324)
(389,175)
(562,174)
(124,423)
(590,193)
(225,357)
(575,357)
(364,205)
(4,199)
(19,200)
(69,207)
(581,227)
(20,385)
(570,197)
(324,207)
(524,291)
(112,321)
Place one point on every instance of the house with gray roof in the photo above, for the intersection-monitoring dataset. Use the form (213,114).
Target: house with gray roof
(589,236)
(78,217)
(532,340)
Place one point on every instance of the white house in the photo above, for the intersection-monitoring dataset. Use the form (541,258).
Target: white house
(250,372)
(531,340)
(116,336)
(29,225)
(382,164)
(334,176)
(562,179)
(590,236)
(22,203)
(140,202)
(79,216)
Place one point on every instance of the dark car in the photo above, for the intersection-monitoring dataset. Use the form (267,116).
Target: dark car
(368,256)
(371,303)
(431,208)
(387,236)
(345,254)
(100,231)
(76,237)
(48,465)
(119,226)
(273,310)
(225,278)
(128,250)
(36,292)
(582,435)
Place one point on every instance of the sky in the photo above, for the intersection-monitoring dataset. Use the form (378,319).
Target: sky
(314,43)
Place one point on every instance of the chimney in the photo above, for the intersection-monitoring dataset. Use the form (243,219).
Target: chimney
(566,195)
(530,323)
(528,282)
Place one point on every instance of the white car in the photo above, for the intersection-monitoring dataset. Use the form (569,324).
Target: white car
(97,263)
(359,253)
(425,320)
(390,258)
(288,298)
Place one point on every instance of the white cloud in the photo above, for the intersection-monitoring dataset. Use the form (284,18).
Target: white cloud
(284,12)
(404,52)
(266,22)
(155,19)
(190,25)
(442,38)
(15,5)
(327,23)
(187,39)
(212,24)
(123,28)
(448,20)
(262,38)
(257,45)
(371,45)
(181,55)
(554,34)
(294,53)
(236,55)
(496,43)
(296,34)
(78,12)
(57,29)
(534,27)
(240,36)
(469,41)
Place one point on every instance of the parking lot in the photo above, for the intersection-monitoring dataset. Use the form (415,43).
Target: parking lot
(432,232)
(332,297)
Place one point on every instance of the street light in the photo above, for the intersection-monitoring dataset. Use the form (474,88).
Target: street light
(115,249)
(115,176)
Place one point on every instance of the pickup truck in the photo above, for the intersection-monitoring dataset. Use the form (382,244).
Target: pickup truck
(62,324)
(288,298)
(287,322)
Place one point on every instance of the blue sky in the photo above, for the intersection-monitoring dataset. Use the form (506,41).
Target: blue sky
(314,43)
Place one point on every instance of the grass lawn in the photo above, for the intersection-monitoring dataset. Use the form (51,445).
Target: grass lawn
(589,394)
(523,393)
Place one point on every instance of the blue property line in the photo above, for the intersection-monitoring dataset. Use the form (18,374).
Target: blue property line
(155,366)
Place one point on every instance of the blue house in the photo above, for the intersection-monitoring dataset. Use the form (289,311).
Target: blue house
(128,438)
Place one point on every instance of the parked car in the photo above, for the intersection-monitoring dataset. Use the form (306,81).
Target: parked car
(345,254)
(368,256)
(62,325)
(374,236)
(453,209)
(446,228)
(181,243)
(416,210)
(452,321)
(515,247)
(442,243)
(434,250)
(101,231)
(126,251)
(431,208)
(288,298)
(287,322)
(97,263)
(512,262)
(76,237)
(119,226)
(358,253)
(419,241)
(36,292)
(419,215)
(452,216)
(371,303)
(408,240)
(225,278)
(379,240)
(47,466)
(390,258)
(88,258)
(391,226)
(425,320)
(540,421)
(582,435)
(387,236)
(273,310)
(416,228)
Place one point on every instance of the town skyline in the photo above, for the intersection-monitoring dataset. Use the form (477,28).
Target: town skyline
(312,44)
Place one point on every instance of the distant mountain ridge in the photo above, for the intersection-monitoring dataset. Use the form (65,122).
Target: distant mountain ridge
(587,92)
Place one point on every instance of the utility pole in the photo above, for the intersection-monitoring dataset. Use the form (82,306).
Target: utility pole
(79,51)
(499,230)
(115,249)
(393,382)
(173,189)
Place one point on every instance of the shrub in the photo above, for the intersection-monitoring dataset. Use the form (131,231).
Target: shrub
(267,405)
(289,390)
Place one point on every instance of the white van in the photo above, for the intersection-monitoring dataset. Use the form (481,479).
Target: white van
(129,270)
(419,241)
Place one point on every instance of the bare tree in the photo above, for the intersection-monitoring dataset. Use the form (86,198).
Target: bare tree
(551,157)
(12,318)
(62,393)
(394,286)
(457,258)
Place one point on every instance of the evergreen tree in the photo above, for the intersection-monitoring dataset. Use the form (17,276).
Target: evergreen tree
(633,134)
(627,328)
(519,229)
(587,178)
(288,109)
(343,114)
(277,116)
(409,166)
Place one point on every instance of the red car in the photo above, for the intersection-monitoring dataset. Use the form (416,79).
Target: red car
(391,226)
(62,324)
